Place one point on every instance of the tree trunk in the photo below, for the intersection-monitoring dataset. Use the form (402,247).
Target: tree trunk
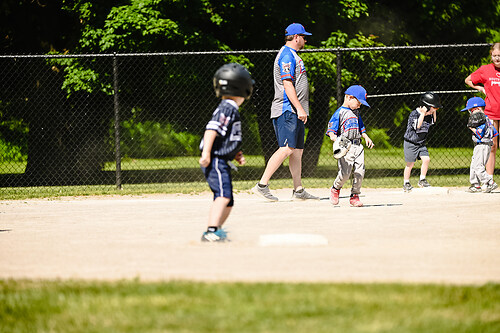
(317,125)
(67,138)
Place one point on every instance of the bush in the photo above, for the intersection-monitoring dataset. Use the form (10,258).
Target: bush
(11,153)
(151,139)
(379,137)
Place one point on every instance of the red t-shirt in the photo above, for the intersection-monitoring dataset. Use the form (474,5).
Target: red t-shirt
(489,76)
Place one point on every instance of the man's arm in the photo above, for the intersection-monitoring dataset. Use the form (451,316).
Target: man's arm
(292,97)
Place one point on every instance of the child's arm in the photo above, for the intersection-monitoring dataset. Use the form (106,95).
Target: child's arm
(208,142)
(240,158)
(333,125)
(434,115)
(422,110)
(332,136)
(368,141)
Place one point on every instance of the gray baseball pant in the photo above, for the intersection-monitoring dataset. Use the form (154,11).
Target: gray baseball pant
(353,161)
(478,173)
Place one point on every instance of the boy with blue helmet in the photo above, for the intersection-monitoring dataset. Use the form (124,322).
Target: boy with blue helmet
(346,122)
(483,134)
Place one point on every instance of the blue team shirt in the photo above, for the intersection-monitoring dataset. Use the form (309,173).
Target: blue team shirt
(485,133)
(346,122)
(289,66)
(227,123)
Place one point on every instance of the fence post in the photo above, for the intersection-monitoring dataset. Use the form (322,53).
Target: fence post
(339,79)
(116,105)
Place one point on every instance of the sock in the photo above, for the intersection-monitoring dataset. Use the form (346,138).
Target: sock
(406,181)
(300,191)
(261,186)
(212,229)
(422,177)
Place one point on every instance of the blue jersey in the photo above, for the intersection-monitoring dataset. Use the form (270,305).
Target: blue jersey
(485,133)
(227,123)
(289,66)
(346,122)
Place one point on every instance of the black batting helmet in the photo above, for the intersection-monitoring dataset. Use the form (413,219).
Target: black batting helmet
(233,80)
(430,98)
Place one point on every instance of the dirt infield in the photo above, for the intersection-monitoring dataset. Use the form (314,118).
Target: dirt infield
(435,235)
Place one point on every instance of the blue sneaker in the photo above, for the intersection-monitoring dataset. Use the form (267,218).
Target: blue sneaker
(217,236)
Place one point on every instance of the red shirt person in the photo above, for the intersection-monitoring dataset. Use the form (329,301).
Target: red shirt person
(486,79)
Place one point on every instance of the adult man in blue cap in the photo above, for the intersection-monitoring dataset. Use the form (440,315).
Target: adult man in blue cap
(289,112)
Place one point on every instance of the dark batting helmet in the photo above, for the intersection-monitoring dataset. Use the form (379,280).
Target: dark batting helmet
(431,99)
(233,80)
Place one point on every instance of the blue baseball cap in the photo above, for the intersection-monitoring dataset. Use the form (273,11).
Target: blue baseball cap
(296,29)
(474,102)
(359,92)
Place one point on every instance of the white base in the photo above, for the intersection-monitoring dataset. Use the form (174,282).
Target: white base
(430,190)
(292,240)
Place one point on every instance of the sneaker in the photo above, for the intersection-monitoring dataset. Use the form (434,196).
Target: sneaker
(490,187)
(407,187)
(354,201)
(474,188)
(423,183)
(264,192)
(334,196)
(303,195)
(216,236)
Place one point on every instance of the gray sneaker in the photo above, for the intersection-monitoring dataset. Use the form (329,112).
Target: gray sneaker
(264,192)
(423,183)
(490,187)
(303,195)
(407,187)
(475,188)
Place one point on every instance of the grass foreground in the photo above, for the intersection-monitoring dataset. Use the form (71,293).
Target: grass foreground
(134,306)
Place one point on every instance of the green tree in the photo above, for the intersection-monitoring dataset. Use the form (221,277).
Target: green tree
(65,89)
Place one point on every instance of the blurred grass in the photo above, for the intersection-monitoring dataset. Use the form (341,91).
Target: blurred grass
(384,168)
(134,306)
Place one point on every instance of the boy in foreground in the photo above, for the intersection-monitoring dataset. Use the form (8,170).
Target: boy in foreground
(221,143)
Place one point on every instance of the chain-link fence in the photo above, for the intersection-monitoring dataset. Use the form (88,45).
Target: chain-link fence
(117,119)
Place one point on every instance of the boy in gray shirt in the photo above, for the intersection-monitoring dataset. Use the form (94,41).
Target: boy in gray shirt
(419,122)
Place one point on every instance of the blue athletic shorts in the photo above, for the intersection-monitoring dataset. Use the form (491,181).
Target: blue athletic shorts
(218,176)
(289,130)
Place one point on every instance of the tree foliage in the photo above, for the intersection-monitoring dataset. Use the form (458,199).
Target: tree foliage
(129,26)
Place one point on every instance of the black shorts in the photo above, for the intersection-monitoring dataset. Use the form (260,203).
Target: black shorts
(413,152)
(218,176)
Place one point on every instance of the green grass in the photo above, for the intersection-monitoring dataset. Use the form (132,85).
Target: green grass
(442,158)
(12,167)
(449,167)
(132,306)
